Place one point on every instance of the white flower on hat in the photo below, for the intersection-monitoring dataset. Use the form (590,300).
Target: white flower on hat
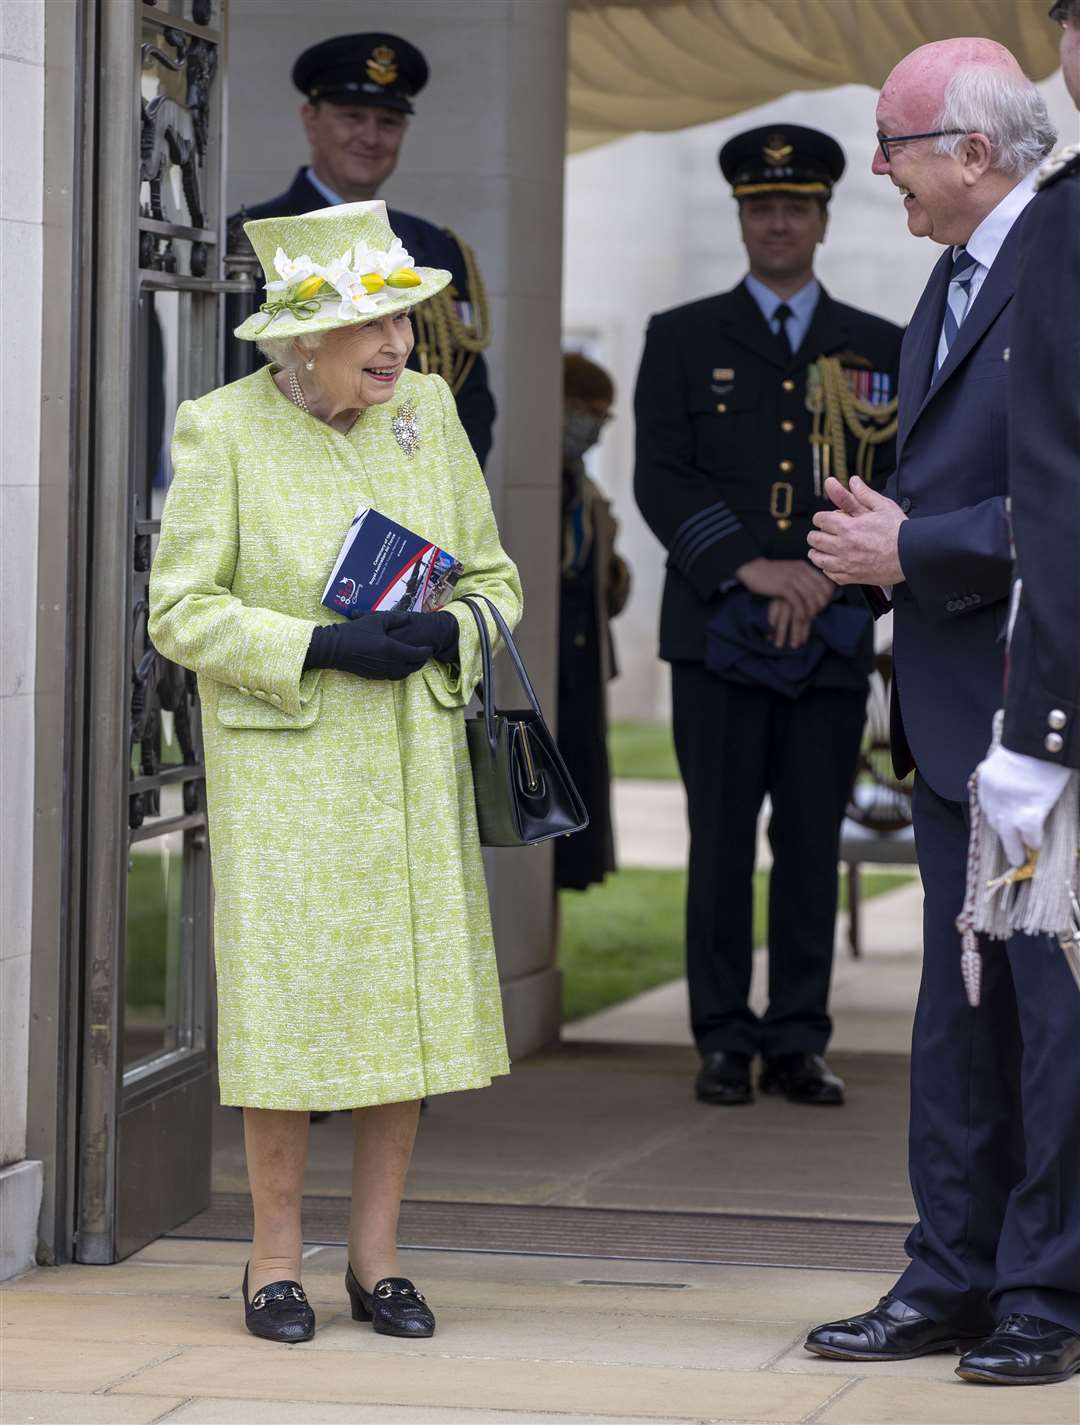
(384,263)
(356,300)
(291,270)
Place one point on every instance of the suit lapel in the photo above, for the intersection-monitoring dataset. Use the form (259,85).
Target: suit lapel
(746,326)
(303,196)
(993,295)
(919,347)
(827,332)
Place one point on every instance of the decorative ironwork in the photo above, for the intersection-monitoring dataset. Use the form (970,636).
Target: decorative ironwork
(177,133)
(159,686)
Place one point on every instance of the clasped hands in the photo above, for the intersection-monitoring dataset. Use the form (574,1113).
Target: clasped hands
(796,594)
(385,646)
(859,541)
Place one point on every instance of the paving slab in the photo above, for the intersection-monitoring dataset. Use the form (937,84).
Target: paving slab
(45,1407)
(60,1365)
(321,1412)
(882,1401)
(628,1392)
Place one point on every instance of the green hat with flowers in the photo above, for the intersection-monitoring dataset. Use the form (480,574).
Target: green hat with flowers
(332,268)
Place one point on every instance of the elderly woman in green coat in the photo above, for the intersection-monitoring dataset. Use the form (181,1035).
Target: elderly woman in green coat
(354,953)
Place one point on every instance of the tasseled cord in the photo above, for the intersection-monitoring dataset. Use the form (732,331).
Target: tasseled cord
(1038,898)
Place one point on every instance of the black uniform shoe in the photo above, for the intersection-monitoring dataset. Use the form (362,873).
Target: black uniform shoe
(803,1078)
(394,1307)
(891,1332)
(725,1078)
(1024,1350)
(279,1312)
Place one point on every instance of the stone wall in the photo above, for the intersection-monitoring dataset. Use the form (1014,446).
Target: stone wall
(22,62)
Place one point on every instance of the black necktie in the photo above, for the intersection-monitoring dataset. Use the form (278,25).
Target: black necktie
(783,314)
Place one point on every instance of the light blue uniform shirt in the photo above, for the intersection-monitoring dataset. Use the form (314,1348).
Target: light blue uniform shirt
(802,307)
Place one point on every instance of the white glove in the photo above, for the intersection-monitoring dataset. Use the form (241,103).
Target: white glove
(1017,793)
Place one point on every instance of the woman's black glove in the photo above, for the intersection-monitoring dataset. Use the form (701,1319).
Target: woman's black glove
(438,631)
(369,646)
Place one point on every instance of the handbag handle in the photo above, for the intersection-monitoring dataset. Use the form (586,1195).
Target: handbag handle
(485,688)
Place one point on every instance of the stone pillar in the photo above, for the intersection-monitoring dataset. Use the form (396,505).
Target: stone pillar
(483,156)
(22,113)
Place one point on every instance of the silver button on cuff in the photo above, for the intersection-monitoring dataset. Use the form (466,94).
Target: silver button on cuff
(1054,742)
(1056,720)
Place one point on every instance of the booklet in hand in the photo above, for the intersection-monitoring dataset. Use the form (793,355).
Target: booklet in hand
(384,566)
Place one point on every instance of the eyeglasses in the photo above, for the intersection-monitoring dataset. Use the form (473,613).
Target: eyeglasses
(886,142)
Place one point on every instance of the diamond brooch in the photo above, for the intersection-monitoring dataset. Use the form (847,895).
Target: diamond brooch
(406,428)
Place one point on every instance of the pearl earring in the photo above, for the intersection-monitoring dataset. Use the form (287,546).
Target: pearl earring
(310,364)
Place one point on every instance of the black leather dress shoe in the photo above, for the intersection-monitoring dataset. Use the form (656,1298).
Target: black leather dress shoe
(394,1307)
(891,1332)
(1023,1350)
(802,1078)
(725,1078)
(279,1312)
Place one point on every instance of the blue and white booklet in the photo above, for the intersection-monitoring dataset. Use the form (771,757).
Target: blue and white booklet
(387,568)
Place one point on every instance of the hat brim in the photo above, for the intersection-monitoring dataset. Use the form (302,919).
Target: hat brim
(286,324)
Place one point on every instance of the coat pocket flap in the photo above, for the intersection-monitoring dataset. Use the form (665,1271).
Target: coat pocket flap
(239,709)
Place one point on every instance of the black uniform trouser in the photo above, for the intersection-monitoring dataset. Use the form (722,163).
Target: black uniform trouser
(995,1111)
(735,744)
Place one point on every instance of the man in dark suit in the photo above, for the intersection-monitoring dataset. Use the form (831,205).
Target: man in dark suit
(359,92)
(1022,779)
(995,1091)
(744,404)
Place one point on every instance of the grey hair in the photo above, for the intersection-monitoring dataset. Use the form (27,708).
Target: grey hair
(281,350)
(1010,112)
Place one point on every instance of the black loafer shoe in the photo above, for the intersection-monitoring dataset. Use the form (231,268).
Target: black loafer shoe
(279,1312)
(802,1078)
(1023,1350)
(394,1308)
(891,1332)
(724,1078)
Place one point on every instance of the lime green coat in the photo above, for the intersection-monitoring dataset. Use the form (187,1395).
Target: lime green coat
(355,962)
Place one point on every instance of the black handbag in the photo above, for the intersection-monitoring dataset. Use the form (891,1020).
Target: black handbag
(524,794)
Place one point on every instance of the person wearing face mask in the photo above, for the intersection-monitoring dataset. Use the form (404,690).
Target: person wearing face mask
(746,402)
(358,99)
(594,588)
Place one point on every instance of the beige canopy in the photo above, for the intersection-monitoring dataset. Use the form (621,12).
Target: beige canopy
(669,64)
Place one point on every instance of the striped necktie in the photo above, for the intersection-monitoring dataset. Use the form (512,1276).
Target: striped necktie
(956,302)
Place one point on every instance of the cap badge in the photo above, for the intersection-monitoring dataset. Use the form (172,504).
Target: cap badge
(382,65)
(777,150)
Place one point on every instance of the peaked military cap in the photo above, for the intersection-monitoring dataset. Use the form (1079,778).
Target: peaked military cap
(377,69)
(782,158)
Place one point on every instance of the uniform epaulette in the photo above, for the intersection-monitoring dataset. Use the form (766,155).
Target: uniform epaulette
(1058,165)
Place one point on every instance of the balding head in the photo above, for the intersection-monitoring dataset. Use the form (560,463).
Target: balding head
(915,90)
(966,126)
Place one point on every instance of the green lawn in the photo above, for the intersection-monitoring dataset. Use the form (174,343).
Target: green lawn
(642,749)
(626,935)
(153,915)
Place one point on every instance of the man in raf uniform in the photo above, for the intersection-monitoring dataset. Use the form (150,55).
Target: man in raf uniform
(359,92)
(745,404)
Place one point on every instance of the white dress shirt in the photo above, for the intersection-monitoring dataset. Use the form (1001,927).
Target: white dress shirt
(984,244)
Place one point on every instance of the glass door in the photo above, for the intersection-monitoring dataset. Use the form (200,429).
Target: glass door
(155,258)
